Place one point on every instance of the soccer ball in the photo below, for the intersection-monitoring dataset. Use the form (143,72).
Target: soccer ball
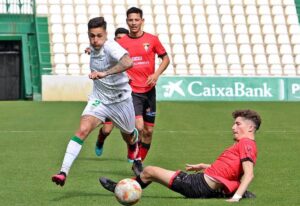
(128,191)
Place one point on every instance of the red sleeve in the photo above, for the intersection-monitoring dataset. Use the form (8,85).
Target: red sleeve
(159,48)
(247,150)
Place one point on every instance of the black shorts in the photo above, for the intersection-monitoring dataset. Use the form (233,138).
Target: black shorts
(193,186)
(145,105)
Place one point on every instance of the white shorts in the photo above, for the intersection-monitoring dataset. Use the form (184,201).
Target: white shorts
(120,113)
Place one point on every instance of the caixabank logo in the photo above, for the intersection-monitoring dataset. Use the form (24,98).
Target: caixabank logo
(293,89)
(239,89)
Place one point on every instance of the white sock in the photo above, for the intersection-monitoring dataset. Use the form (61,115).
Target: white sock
(71,154)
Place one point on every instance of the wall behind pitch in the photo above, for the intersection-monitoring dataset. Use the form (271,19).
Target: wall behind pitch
(189,88)
(65,88)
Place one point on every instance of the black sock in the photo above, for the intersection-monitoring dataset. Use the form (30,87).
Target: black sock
(139,180)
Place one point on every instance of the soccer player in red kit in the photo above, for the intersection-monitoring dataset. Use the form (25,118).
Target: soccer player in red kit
(142,48)
(229,176)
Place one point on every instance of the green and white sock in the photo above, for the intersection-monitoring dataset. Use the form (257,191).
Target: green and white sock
(71,154)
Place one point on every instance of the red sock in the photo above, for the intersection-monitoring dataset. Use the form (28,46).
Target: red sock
(143,149)
(101,137)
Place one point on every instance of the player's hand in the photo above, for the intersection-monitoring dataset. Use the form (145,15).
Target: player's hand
(197,167)
(152,79)
(232,200)
(87,51)
(97,75)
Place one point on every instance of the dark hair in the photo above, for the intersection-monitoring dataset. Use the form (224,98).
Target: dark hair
(134,10)
(121,30)
(249,115)
(97,22)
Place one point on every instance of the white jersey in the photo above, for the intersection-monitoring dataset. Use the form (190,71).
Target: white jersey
(112,88)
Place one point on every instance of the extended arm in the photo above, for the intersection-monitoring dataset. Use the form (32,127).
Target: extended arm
(197,167)
(124,64)
(245,181)
(152,79)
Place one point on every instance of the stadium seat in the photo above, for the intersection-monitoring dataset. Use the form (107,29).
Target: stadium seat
(172,9)
(258,49)
(200,19)
(164,38)
(206,59)
(159,9)
(173,19)
(84,59)
(59,59)
(192,49)
(162,29)
(57,38)
(274,59)
(71,38)
(201,29)
(220,59)
(190,39)
(40,9)
(148,28)
(58,48)
(160,19)
(176,39)
(57,28)
(93,10)
(181,69)
(147,9)
(72,48)
(68,9)
(55,9)
(179,59)
(175,29)
(60,69)
(216,38)
(80,9)
(192,59)
(204,49)
(74,69)
(178,49)
(218,49)
(231,49)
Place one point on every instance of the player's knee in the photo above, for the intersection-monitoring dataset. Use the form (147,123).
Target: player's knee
(83,131)
(106,131)
(148,171)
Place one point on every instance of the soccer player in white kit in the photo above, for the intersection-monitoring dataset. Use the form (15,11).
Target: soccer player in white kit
(110,98)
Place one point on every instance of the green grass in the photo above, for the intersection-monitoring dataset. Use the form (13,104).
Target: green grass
(34,135)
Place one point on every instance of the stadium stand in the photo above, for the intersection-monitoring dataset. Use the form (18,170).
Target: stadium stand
(203,37)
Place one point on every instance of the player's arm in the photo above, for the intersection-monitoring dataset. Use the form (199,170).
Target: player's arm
(152,79)
(245,181)
(197,167)
(124,64)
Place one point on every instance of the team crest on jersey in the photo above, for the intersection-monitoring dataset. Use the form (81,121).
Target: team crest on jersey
(146,46)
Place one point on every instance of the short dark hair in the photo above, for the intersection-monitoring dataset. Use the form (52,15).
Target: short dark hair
(134,10)
(121,30)
(97,22)
(249,115)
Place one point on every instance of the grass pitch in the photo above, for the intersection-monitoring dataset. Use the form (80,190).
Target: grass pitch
(34,136)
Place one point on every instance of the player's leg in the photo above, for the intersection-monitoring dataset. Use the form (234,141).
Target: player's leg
(104,132)
(91,117)
(138,103)
(149,114)
(149,174)
(87,124)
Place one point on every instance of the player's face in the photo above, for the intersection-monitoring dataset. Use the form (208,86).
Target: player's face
(134,22)
(241,128)
(97,37)
(119,36)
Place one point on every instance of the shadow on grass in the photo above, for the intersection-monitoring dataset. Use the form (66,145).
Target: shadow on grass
(102,159)
(76,194)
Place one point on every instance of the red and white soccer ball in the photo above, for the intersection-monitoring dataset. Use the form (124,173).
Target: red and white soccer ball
(128,191)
